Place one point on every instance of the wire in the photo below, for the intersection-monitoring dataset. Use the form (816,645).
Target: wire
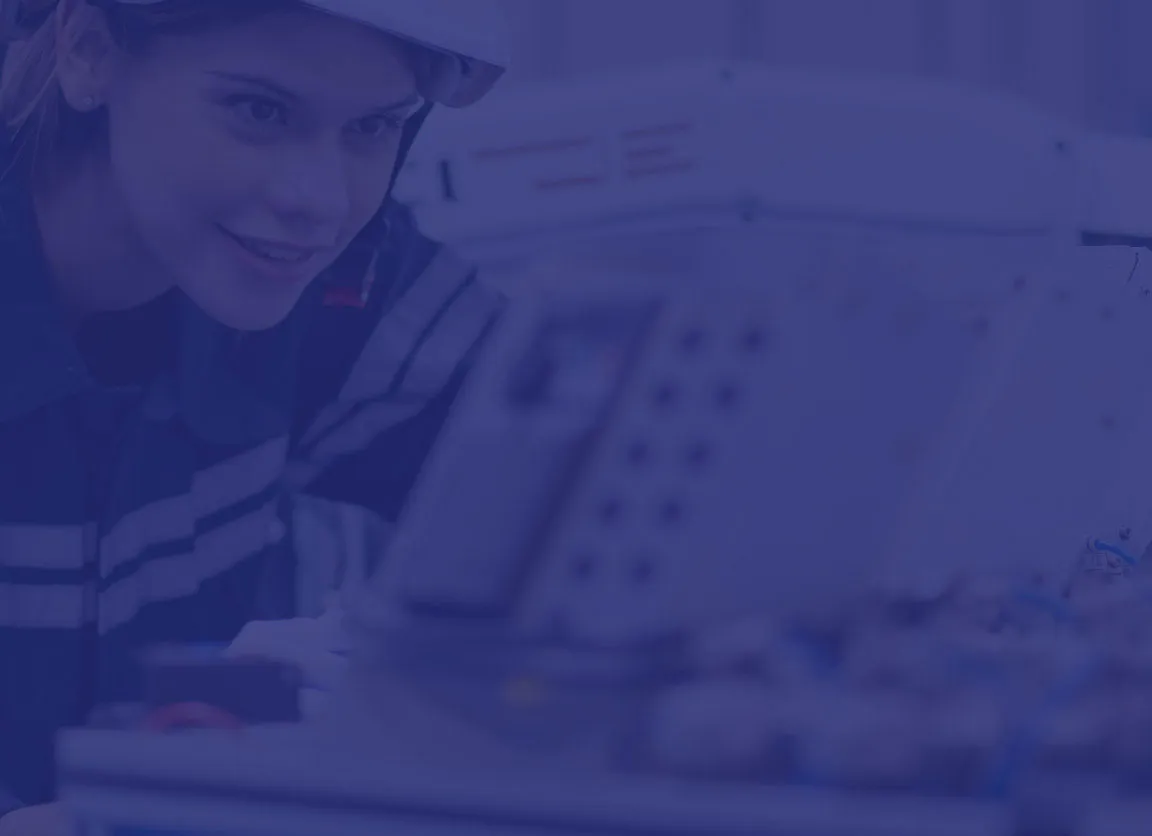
(1020,748)
(1055,607)
(1101,546)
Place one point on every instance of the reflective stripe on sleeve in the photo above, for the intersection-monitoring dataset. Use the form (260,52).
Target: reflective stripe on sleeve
(347,427)
(44,606)
(214,489)
(177,576)
(394,343)
(53,547)
(457,331)
(399,333)
(356,433)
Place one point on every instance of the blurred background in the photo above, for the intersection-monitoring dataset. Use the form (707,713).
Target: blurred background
(1085,60)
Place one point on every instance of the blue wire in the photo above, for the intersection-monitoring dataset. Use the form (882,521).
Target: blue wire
(1053,606)
(819,661)
(1020,747)
(1101,546)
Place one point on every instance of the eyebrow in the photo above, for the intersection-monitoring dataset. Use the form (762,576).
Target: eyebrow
(406,103)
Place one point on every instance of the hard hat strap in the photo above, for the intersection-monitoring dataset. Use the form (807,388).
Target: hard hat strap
(354,267)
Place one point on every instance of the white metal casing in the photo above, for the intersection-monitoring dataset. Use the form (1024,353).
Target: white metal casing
(882,433)
(704,145)
(297,783)
(906,201)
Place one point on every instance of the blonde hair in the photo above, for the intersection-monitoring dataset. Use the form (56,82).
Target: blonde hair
(44,129)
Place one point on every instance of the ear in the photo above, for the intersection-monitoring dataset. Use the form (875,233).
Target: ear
(85,54)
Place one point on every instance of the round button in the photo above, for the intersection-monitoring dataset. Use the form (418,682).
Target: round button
(584,566)
(638,453)
(691,340)
(611,510)
(698,454)
(665,395)
(643,569)
(671,512)
(753,339)
(727,395)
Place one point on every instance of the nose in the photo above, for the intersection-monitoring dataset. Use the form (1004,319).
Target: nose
(309,192)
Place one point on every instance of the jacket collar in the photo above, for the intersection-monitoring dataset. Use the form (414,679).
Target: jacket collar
(237,388)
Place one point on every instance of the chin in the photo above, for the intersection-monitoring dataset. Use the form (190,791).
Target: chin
(247,311)
(250,321)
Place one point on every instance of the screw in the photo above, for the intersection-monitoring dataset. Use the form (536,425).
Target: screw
(753,340)
(727,395)
(671,512)
(665,395)
(692,340)
(698,454)
(610,511)
(583,567)
(642,570)
(638,453)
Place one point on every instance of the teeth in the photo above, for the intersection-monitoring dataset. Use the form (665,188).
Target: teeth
(276,253)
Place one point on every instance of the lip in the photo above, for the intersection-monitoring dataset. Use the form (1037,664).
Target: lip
(292,270)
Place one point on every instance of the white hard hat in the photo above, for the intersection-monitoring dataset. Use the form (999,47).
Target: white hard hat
(467,39)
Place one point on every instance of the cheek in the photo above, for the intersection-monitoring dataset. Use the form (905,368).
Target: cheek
(368,187)
(172,179)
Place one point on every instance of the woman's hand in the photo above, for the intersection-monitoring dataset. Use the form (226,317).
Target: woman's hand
(317,646)
(42,820)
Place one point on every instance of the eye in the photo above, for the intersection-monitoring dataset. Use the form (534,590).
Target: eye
(258,110)
(379,127)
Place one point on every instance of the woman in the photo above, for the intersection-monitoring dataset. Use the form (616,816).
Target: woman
(207,300)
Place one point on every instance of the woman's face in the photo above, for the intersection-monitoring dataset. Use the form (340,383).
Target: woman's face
(248,157)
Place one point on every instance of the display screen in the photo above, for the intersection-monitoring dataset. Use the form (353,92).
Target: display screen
(577,360)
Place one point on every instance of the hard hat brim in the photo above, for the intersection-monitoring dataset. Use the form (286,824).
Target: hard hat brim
(470,32)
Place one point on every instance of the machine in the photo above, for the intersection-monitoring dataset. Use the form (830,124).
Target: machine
(816,351)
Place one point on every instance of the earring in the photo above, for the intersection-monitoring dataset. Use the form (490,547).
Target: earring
(88,103)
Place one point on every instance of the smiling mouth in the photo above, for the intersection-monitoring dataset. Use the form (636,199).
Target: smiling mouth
(285,254)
